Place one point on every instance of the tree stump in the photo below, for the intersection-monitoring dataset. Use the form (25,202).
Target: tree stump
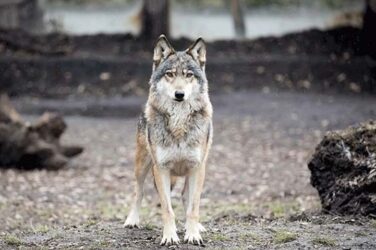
(29,146)
(343,170)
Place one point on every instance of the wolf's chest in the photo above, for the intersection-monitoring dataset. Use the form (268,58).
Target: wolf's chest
(180,133)
(178,156)
(179,141)
(178,126)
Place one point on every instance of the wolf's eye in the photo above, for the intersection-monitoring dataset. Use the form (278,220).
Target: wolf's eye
(189,74)
(169,74)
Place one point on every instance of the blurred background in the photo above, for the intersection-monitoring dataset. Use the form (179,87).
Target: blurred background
(293,44)
(282,73)
(186,19)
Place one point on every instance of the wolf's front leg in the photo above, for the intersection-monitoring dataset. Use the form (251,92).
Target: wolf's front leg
(163,183)
(193,227)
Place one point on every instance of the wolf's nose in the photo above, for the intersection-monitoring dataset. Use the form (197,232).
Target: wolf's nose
(179,95)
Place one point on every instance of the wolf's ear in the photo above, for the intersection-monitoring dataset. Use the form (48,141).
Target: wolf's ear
(161,51)
(198,51)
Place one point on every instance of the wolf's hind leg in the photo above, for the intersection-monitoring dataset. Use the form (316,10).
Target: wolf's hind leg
(142,167)
(184,194)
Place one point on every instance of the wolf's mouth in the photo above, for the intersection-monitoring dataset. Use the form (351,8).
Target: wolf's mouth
(179,100)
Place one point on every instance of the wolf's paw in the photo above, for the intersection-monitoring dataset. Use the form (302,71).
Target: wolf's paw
(133,220)
(170,237)
(192,233)
(201,228)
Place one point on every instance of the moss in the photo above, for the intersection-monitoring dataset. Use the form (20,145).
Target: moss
(12,240)
(324,241)
(282,236)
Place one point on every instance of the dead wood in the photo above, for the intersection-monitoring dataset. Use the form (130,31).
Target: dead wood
(37,145)
(343,170)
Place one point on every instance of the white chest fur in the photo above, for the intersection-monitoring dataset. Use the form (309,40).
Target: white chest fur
(178,156)
(178,136)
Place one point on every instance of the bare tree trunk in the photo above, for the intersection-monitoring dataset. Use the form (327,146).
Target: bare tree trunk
(21,14)
(155,19)
(238,17)
(369,29)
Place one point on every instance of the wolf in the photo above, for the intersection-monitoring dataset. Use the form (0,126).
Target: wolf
(174,136)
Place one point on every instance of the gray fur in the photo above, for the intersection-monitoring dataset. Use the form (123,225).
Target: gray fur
(178,125)
(181,60)
(175,134)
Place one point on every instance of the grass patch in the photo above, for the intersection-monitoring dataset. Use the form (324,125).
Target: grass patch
(360,234)
(41,229)
(251,236)
(281,237)
(219,237)
(149,226)
(12,240)
(373,223)
(99,245)
(277,210)
(90,222)
(44,214)
(110,212)
(324,241)
(210,212)
(280,210)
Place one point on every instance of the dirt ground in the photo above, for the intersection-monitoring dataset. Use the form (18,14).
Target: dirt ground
(257,194)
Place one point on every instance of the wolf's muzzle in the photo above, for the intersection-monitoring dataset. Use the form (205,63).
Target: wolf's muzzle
(179,96)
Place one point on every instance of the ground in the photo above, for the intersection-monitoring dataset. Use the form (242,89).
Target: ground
(257,192)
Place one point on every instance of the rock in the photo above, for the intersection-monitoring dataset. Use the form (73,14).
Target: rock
(343,170)
(36,145)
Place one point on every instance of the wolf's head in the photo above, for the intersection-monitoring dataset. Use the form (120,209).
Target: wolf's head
(179,76)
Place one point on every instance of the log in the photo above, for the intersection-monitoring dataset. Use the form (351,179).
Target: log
(343,170)
(30,146)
